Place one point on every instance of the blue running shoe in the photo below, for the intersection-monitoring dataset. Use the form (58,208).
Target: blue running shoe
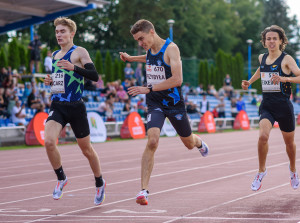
(58,190)
(100,194)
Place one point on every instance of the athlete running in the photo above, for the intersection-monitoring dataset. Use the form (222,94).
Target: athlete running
(163,96)
(276,104)
(70,65)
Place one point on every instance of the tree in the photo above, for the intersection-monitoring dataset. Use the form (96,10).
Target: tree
(281,19)
(99,62)
(116,70)
(108,68)
(13,54)
(3,58)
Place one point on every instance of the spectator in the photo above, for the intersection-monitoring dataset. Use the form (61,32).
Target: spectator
(211,90)
(185,89)
(221,108)
(228,86)
(191,108)
(142,108)
(240,104)
(48,63)
(233,108)
(128,71)
(127,106)
(33,102)
(204,105)
(35,47)
(106,108)
(138,74)
(18,114)
(45,99)
(3,106)
(3,76)
(122,94)
(27,91)
(100,83)
(199,89)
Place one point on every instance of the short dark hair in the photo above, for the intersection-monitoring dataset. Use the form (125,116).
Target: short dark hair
(281,33)
(141,25)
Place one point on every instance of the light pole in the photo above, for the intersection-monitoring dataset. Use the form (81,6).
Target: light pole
(171,22)
(249,41)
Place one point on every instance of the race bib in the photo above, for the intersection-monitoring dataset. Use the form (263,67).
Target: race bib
(155,74)
(267,84)
(58,84)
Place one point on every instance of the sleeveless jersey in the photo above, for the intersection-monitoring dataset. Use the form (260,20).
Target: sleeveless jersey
(269,89)
(158,71)
(67,85)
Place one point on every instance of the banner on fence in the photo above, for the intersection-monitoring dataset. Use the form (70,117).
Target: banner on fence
(207,123)
(35,130)
(97,127)
(133,127)
(168,129)
(241,121)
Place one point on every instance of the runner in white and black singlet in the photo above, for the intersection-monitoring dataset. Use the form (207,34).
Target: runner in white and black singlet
(275,66)
(70,65)
(163,96)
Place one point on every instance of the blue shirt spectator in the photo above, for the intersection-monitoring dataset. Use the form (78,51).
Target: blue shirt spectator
(240,104)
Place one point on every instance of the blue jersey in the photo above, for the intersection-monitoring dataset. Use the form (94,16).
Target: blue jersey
(270,90)
(67,85)
(158,71)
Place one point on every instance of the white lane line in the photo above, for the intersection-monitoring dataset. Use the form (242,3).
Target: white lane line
(176,188)
(229,202)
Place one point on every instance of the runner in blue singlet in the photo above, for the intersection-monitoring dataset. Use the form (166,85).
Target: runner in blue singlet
(163,96)
(275,66)
(70,65)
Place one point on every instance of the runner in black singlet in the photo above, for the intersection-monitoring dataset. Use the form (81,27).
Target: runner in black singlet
(163,96)
(70,65)
(275,66)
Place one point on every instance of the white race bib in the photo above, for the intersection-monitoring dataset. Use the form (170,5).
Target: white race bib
(155,74)
(58,83)
(267,84)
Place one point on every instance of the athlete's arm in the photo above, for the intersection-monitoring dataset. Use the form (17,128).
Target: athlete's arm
(81,57)
(255,77)
(126,57)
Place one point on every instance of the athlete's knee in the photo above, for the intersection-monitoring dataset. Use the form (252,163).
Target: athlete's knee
(152,143)
(189,145)
(88,153)
(50,144)
(263,138)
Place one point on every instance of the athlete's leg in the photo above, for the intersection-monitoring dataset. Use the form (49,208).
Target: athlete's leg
(191,141)
(148,156)
(265,128)
(89,152)
(52,131)
(290,148)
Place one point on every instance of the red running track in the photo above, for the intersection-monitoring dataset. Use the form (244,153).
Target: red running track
(184,186)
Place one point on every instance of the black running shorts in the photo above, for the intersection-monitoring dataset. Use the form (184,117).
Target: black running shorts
(281,111)
(156,118)
(71,112)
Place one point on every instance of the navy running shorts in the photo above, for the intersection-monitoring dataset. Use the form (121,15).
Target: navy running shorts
(74,113)
(179,119)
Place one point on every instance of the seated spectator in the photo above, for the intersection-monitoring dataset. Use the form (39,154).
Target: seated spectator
(211,90)
(204,105)
(127,106)
(240,104)
(126,84)
(18,114)
(122,94)
(233,107)
(191,108)
(199,89)
(3,76)
(100,83)
(221,108)
(3,106)
(185,89)
(27,91)
(142,107)
(33,102)
(45,99)
(106,108)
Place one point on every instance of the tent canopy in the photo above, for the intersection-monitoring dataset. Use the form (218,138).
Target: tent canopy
(19,14)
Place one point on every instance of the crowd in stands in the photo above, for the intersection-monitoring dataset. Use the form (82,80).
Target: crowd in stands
(13,107)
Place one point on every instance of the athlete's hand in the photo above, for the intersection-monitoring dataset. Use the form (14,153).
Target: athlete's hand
(135,90)
(245,84)
(65,64)
(124,56)
(276,79)
(48,80)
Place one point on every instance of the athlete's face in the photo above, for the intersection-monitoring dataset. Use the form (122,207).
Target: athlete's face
(144,40)
(63,34)
(273,41)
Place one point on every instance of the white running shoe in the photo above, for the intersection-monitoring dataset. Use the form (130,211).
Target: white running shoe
(100,194)
(142,197)
(203,149)
(256,184)
(58,190)
(294,179)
